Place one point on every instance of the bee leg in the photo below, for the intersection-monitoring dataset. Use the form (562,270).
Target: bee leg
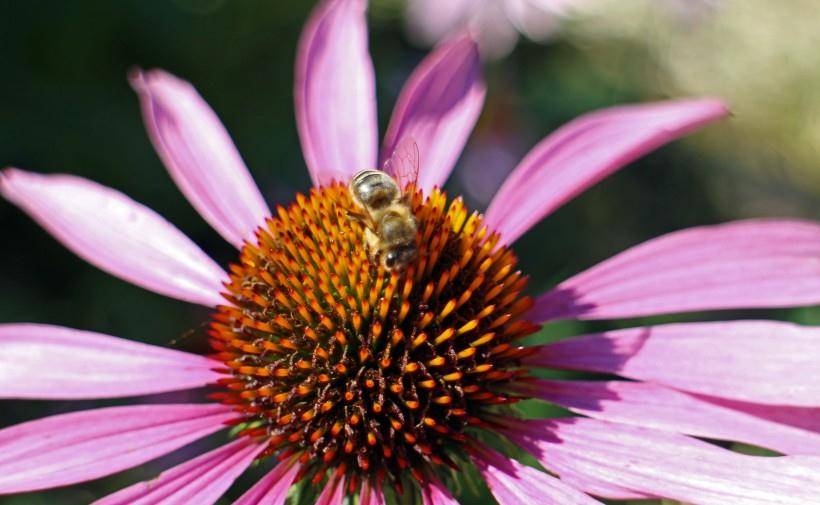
(371,241)
(357,216)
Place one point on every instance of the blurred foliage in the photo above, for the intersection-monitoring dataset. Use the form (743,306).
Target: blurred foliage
(66,107)
(760,56)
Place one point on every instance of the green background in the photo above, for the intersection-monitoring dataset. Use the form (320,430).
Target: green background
(65,106)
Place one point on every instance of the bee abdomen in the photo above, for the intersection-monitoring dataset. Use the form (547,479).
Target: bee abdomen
(374,189)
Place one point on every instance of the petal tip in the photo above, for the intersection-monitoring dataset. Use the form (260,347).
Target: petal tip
(716,107)
(136,78)
(155,80)
(706,109)
(466,38)
(10,172)
(10,178)
(464,46)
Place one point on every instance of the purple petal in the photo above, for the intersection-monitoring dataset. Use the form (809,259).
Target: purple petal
(755,361)
(335,92)
(200,156)
(513,483)
(81,446)
(433,492)
(438,107)
(668,465)
(333,492)
(52,362)
(200,481)
(654,406)
(744,264)
(116,234)
(586,150)
(371,495)
(272,489)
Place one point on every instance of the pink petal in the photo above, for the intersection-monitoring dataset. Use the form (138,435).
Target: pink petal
(668,464)
(81,446)
(335,92)
(513,483)
(200,156)
(272,489)
(585,151)
(52,362)
(755,361)
(434,493)
(438,107)
(653,406)
(333,493)
(744,264)
(116,234)
(591,485)
(371,495)
(200,481)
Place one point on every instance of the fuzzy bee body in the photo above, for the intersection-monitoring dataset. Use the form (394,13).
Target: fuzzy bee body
(391,228)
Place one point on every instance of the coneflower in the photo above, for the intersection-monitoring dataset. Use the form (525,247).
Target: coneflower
(368,383)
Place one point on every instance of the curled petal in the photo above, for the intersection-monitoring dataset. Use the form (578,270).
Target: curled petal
(81,446)
(438,107)
(782,429)
(201,480)
(335,92)
(51,362)
(272,489)
(668,465)
(765,362)
(744,264)
(513,483)
(200,156)
(116,234)
(586,150)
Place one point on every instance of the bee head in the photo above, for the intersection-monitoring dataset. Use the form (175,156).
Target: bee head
(400,257)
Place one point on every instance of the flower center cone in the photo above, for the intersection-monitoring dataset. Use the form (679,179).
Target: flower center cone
(363,371)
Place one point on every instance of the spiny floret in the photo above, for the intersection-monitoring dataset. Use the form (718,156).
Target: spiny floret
(363,370)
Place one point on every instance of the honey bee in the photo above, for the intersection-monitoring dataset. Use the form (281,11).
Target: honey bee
(390,226)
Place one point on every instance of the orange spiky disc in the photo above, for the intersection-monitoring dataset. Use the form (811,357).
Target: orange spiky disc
(358,369)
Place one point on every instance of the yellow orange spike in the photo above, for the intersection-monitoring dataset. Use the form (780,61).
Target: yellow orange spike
(448,309)
(466,353)
(437,361)
(444,336)
(453,377)
(483,339)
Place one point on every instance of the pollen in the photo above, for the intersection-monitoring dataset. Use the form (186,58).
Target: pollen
(359,370)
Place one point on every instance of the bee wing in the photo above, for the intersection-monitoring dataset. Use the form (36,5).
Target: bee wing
(403,164)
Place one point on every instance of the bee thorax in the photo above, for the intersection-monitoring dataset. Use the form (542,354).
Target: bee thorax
(397,227)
